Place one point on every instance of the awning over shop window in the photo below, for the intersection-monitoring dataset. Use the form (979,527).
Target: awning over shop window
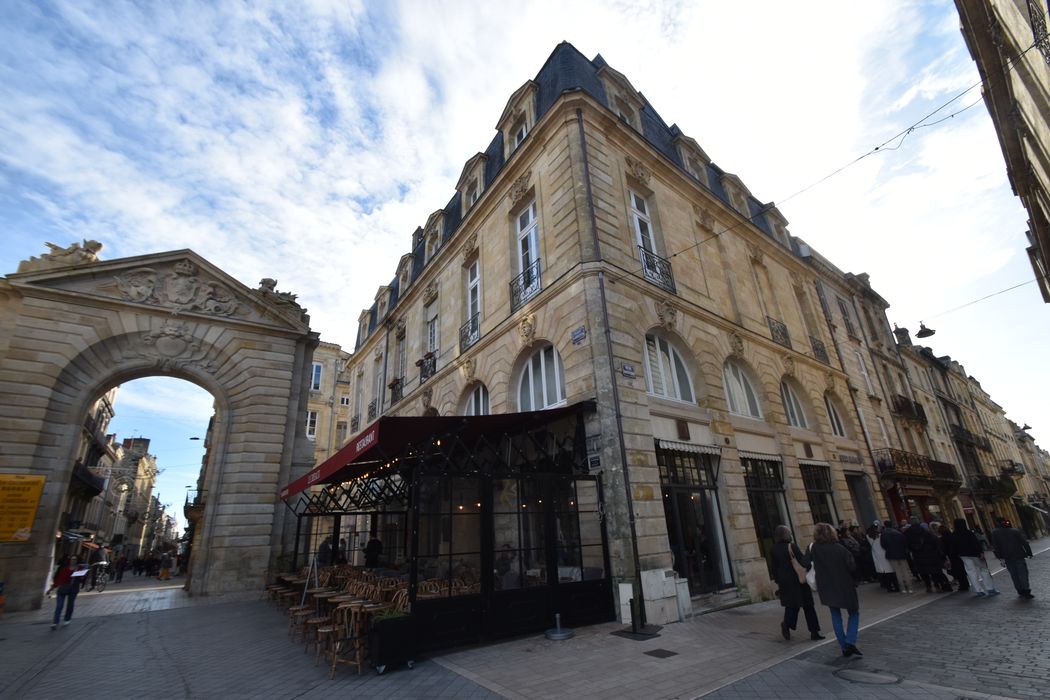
(688,447)
(389,435)
(759,455)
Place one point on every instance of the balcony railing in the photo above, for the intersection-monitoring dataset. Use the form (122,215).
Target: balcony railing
(779,331)
(470,332)
(372,410)
(397,390)
(355,424)
(898,464)
(657,270)
(427,367)
(907,408)
(1012,469)
(193,509)
(961,433)
(819,350)
(525,286)
(993,486)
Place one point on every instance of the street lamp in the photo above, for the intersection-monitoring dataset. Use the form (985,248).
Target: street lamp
(924,332)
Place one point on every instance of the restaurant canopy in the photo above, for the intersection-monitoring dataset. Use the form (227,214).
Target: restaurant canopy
(390,439)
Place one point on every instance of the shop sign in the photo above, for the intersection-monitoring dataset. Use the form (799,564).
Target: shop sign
(19,498)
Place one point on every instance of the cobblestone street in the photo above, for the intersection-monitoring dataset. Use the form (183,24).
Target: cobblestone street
(956,647)
(145,639)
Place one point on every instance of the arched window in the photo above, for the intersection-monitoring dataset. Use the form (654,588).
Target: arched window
(666,374)
(837,426)
(542,382)
(792,406)
(477,401)
(740,394)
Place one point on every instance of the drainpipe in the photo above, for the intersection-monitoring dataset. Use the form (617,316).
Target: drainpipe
(612,370)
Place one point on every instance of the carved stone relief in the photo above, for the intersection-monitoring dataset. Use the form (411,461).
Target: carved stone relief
(638,171)
(181,289)
(520,187)
(399,328)
(789,365)
(667,314)
(171,347)
(427,399)
(756,254)
(467,369)
(736,345)
(70,256)
(703,215)
(430,293)
(470,248)
(829,381)
(379,355)
(527,329)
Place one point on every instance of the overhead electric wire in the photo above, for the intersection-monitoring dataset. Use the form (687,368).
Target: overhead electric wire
(986,296)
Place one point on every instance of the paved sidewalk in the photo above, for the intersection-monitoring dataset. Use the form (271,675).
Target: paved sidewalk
(165,644)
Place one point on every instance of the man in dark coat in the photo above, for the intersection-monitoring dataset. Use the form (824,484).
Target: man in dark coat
(929,557)
(373,550)
(1012,549)
(793,593)
(896,547)
(836,586)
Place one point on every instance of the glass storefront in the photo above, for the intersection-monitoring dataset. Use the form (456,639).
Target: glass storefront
(817,479)
(694,525)
(764,479)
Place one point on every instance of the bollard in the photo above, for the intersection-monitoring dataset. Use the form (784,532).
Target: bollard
(634,616)
(557,633)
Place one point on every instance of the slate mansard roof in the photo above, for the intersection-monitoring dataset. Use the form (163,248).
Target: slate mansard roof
(566,70)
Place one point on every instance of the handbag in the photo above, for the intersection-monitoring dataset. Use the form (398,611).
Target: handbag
(811,575)
(800,570)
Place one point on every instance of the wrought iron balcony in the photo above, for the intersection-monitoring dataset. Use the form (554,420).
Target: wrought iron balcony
(907,408)
(372,410)
(470,332)
(193,509)
(894,465)
(525,286)
(993,486)
(657,270)
(779,331)
(397,390)
(961,433)
(1012,469)
(427,367)
(355,424)
(819,350)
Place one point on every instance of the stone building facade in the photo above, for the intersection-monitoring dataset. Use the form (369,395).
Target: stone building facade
(1008,40)
(593,252)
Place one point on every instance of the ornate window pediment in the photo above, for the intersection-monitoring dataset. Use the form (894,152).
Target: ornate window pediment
(623,99)
(518,118)
(693,157)
(471,182)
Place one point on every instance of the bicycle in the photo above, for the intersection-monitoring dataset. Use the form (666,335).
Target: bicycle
(101,576)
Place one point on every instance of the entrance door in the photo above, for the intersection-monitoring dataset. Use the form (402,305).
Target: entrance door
(863,503)
(693,533)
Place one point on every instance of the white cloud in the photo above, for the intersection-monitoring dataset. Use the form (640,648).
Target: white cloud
(307,142)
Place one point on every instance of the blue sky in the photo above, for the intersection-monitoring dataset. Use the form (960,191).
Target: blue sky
(306,141)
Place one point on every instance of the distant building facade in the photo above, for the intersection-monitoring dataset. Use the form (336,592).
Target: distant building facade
(1008,40)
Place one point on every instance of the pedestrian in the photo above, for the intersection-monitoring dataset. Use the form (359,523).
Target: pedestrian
(165,567)
(926,551)
(67,586)
(956,567)
(122,564)
(794,594)
(865,563)
(836,586)
(895,545)
(883,570)
(373,550)
(324,552)
(1012,549)
(972,554)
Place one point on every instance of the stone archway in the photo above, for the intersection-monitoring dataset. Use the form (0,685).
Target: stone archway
(72,326)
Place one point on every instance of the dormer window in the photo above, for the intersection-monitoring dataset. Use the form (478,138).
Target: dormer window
(624,112)
(520,131)
(472,193)
(471,182)
(433,243)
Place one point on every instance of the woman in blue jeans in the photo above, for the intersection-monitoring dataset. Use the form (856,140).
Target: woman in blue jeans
(836,586)
(68,586)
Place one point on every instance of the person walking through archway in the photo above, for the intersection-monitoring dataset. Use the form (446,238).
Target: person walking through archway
(836,585)
(794,594)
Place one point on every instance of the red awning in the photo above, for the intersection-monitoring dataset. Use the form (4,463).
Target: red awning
(389,434)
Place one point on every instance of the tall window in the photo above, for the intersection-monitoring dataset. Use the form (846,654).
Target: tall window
(472,193)
(399,359)
(478,402)
(764,479)
(542,382)
(864,372)
(377,388)
(528,238)
(846,319)
(740,394)
(833,417)
(311,424)
(359,394)
(520,131)
(430,331)
(817,480)
(315,377)
(666,372)
(474,290)
(792,406)
(642,221)
(340,432)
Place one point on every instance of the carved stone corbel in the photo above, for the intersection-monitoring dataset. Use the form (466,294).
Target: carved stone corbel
(756,254)
(736,345)
(637,170)
(430,293)
(789,365)
(667,314)
(467,369)
(470,248)
(829,381)
(527,330)
(520,187)
(399,328)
